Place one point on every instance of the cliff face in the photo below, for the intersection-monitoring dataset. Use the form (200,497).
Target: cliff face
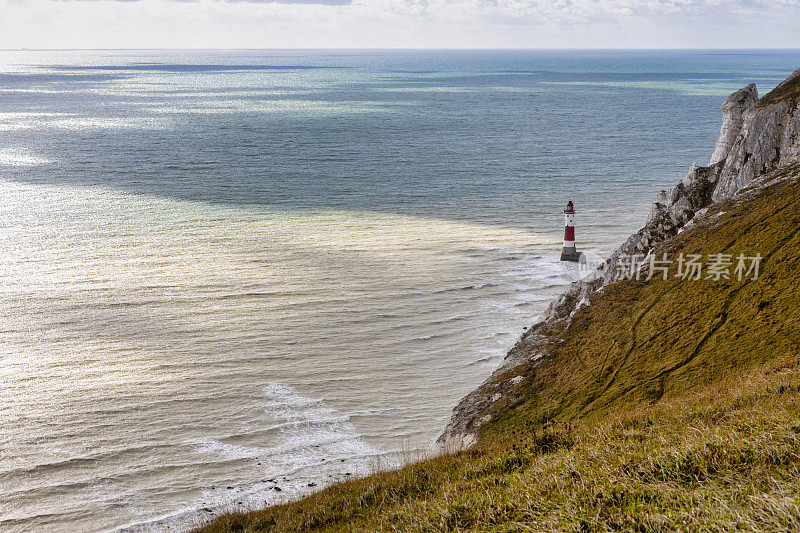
(756,138)
(733,110)
(769,138)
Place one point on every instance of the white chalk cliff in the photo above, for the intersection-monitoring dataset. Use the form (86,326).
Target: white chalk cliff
(733,110)
(769,138)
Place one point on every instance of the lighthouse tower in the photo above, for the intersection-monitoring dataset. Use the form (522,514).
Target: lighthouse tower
(568,253)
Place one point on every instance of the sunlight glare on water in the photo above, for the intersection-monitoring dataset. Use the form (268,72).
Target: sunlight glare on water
(223,272)
(146,332)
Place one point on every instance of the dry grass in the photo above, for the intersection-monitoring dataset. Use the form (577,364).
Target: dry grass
(787,89)
(729,465)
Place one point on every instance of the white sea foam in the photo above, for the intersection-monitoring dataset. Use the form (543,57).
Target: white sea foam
(226,451)
(316,443)
(313,423)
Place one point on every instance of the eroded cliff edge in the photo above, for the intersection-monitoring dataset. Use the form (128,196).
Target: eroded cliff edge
(757,137)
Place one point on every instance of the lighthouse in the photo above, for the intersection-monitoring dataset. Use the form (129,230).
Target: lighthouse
(568,253)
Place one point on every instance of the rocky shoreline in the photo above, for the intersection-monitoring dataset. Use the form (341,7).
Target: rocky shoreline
(757,136)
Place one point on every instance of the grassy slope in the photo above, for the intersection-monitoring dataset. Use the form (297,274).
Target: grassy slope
(788,89)
(666,404)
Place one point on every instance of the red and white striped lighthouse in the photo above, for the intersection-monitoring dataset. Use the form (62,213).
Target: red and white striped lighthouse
(568,252)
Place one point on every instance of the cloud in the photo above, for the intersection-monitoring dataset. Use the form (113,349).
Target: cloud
(318,2)
(398,23)
(311,2)
(308,2)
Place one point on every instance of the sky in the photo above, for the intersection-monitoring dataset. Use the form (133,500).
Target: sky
(399,24)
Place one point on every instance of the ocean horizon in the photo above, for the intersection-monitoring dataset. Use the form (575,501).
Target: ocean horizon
(232,277)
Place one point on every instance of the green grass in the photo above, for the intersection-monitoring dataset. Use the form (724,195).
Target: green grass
(665,405)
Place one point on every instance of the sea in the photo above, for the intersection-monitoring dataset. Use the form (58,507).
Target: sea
(230,278)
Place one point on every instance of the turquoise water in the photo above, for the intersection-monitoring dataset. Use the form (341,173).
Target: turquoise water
(274,268)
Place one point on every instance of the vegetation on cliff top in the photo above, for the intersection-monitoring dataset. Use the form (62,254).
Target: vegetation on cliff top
(664,405)
(788,89)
